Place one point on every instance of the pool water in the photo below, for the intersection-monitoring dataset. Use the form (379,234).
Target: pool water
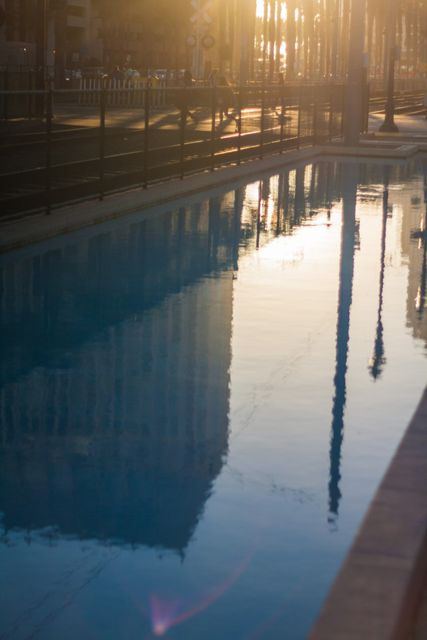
(198,403)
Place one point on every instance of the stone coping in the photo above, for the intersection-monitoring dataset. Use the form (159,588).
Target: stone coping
(384,150)
(378,591)
(30,229)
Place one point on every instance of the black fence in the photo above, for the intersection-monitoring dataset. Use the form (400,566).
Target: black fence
(100,140)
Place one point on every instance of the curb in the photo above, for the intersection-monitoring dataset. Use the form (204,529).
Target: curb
(377,593)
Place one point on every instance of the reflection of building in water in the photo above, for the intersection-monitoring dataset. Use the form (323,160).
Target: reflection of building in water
(114,378)
(412,201)
(374,178)
(114,383)
(281,203)
(413,248)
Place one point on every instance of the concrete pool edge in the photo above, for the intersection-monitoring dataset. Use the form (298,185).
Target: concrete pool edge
(31,229)
(378,591)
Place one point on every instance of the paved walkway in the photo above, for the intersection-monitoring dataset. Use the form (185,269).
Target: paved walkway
(421,625)
(414,127)
(167,119)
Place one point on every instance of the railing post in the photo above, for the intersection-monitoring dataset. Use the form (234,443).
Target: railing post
(49,116)
(299,126)
(261,142)
(343,99)
(315,107)
(239,124)
(102,109)
(29,83)
(282,114)
(6,97)
(366,117)
(213,126)
(146,129)
(331,112)
(183,122)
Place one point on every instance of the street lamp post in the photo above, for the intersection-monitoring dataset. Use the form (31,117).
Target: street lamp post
(244,20)
(335,40)
(41,54)
(41,47)
(389,125)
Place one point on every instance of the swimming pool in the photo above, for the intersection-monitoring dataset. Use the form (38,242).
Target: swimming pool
(198,403)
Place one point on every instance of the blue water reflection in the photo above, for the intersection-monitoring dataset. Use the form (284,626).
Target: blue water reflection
(193,418)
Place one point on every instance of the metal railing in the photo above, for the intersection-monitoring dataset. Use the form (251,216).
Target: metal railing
(88,147)
(128,93)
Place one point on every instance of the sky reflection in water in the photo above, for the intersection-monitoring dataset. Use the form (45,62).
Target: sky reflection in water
(197,406)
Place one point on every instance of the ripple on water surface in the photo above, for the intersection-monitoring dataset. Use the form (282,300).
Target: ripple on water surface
(198,405)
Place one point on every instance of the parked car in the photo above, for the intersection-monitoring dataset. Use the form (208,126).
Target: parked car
(93,72)
(72,74)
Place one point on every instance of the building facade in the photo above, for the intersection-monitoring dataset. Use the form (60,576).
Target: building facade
(68,31)
(17,33)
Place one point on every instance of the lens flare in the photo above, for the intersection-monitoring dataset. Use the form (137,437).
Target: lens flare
(167,614)
(162,614)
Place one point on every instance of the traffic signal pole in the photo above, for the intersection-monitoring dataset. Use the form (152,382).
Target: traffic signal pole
(201,38)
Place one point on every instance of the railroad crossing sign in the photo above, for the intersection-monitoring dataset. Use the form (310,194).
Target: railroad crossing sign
(191,40)
(208,41)
(201,39)
(201,15)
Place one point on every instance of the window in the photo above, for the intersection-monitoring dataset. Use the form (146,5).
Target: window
(75,10)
